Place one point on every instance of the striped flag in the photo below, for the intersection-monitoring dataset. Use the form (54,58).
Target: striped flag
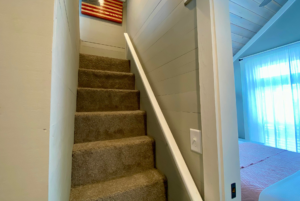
(108,9)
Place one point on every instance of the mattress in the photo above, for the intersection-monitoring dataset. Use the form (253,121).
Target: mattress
(262,166)
(284,190)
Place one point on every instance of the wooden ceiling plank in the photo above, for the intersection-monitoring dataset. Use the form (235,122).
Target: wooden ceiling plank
(247,14)
(242,22)
(239,38)
(254,7)
(237,45)
(284,8)
(242,32)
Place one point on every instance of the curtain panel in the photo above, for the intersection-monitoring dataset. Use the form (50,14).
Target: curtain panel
(271,97)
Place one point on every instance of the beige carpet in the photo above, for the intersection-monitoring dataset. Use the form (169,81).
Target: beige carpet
(112,159)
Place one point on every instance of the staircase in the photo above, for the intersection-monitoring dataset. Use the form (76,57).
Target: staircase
(112,159)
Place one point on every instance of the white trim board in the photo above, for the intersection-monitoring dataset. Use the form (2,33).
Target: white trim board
(284,8)
(217,101)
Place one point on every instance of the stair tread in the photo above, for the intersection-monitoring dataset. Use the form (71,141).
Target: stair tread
(104,58)
(110,112)
(100,126)
(106,71)
(105,79)
(103,63)
(115,188)
(98,145)
(98,161)
(95,99)
(100,89)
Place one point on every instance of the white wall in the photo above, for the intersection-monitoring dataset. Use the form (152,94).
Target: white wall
(26,32)
(164,33)
(102,37)
(65,63)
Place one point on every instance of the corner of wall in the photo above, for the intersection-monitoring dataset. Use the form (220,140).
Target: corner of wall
(65,64)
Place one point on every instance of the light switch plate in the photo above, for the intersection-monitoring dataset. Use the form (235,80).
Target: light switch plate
(196,140)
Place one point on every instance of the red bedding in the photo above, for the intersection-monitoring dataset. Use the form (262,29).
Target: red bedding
(262,166)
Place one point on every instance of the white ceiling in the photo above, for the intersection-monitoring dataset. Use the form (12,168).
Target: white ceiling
(247,18)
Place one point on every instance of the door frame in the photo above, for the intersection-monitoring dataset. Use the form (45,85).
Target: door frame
(218,102)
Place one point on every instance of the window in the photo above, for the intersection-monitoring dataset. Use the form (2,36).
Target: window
(271,97)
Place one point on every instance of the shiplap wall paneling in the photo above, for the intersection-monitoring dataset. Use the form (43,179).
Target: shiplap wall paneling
(141,11)
(174,50)
(176,18)
(179,30)
(159,22)
(181,65)
(166,44)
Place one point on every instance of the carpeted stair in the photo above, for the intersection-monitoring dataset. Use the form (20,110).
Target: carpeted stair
(113,159)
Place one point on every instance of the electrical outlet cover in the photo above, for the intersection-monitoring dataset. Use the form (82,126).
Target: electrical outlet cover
(196,140)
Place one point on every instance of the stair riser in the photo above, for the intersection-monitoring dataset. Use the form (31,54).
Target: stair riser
(103,63)
(155,192)
(93,79)
(107,100)
(91,166)
(148,185)
(89,127)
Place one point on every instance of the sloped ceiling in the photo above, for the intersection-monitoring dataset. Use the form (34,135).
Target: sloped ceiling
(247,18)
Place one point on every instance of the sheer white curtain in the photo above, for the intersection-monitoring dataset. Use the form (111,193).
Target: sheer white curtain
(271,97)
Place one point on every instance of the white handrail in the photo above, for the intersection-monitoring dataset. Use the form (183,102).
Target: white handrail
(180,163)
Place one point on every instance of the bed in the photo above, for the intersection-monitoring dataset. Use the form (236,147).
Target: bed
(266,171)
